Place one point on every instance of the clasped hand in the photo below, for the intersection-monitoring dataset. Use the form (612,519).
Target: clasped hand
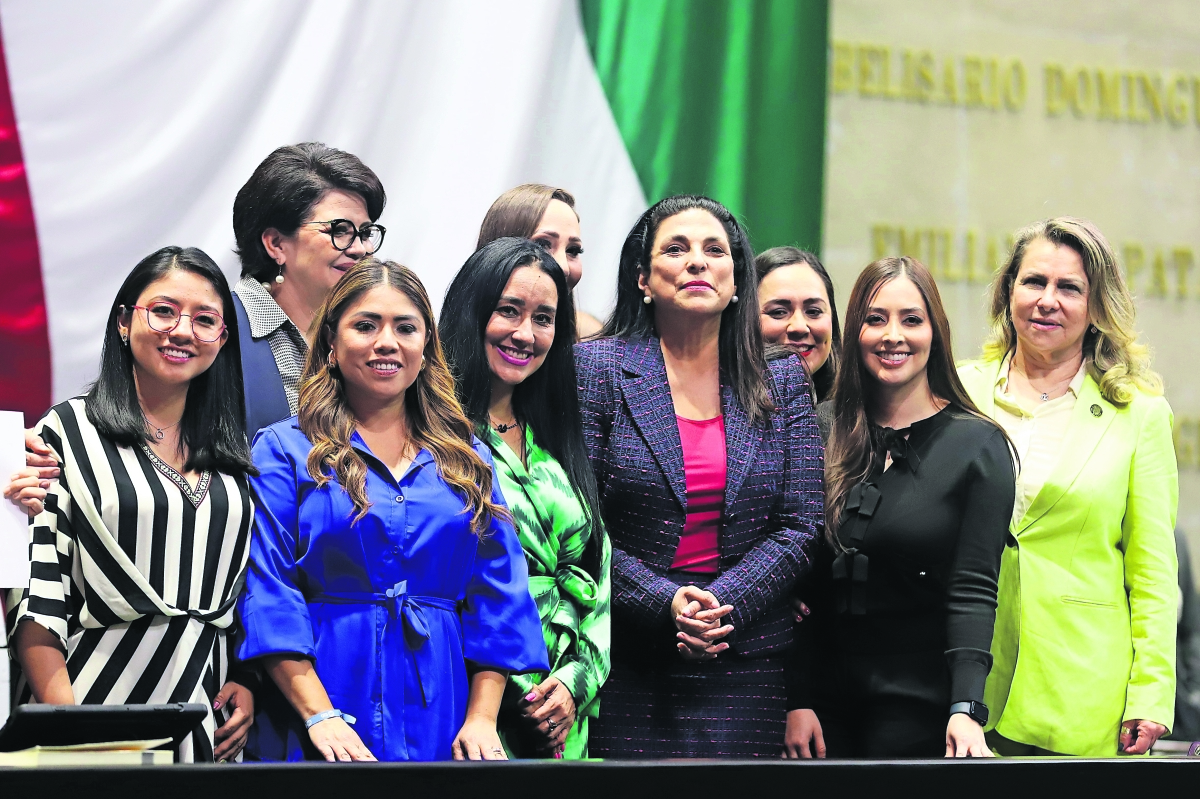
(549,708)
(697,614)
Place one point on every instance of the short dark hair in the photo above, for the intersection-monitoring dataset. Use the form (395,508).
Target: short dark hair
(283,190)
(743,363)
(770,260)
(548,400)
(213,427)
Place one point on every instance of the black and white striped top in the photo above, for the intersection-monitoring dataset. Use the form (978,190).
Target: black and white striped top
(136,571)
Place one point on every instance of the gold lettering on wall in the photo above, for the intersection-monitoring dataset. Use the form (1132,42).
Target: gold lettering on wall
(971,256)
(994,83)
(1187,442)
(1121,96)
(919,76)
(1183,260)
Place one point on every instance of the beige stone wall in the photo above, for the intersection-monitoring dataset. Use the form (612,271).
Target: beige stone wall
(954,122)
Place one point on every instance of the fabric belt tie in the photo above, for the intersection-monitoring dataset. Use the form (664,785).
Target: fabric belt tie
(578,588)
(410,610)
(562,601)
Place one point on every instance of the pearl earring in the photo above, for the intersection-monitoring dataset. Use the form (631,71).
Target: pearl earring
(734,298)
(646,299)
(279,278)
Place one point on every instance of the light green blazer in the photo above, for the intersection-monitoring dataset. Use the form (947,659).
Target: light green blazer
(1085,628)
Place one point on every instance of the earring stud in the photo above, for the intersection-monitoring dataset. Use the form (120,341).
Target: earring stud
(646,299)
(735,298)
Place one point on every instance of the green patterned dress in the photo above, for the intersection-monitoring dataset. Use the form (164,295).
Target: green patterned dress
(574,606)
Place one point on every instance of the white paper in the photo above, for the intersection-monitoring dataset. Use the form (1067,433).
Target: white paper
(14,524)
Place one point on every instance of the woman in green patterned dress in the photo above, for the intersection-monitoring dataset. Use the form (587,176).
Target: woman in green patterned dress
(507,327)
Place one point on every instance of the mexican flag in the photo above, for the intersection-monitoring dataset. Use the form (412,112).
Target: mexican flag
(130,124)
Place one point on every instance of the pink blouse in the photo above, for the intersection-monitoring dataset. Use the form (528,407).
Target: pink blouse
(704,470)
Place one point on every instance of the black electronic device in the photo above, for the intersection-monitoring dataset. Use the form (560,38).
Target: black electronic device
(67,725)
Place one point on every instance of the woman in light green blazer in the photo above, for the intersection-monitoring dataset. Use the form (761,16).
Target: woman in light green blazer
(1084,644)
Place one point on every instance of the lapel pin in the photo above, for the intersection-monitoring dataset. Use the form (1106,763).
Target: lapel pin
(1097,411)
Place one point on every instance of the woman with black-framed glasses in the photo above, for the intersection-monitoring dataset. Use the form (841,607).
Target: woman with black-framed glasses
(139,549)
(304,217)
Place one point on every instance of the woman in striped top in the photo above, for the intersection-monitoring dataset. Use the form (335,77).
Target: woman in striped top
(140,550)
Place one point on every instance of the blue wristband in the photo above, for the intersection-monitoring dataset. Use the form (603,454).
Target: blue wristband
(328,714)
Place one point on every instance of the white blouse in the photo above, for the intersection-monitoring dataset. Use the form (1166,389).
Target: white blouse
(1037,433)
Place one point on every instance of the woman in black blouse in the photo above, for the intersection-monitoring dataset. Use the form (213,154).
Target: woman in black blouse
(919,491)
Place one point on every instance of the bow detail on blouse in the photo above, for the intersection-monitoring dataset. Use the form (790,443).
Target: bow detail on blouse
(850,567)
(896,444)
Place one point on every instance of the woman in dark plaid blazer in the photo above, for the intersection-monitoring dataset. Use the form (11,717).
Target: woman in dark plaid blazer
(708,538)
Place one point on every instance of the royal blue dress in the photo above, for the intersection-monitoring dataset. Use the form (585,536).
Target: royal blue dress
(390,608)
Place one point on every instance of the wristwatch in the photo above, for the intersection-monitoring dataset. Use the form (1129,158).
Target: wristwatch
(977,711)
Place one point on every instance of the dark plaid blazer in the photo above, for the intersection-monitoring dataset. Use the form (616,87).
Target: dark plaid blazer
(773,491)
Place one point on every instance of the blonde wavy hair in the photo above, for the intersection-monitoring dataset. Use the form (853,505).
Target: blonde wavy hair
(1117,361)
(435,418)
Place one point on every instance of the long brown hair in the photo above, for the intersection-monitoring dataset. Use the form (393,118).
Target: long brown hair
(850,456)
(518,211)
(435,419)
(1118,362)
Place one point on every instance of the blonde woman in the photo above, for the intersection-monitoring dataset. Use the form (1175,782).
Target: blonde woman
(1084,649)
(383,559)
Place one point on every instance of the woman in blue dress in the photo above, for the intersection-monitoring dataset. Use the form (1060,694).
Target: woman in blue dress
(388,595)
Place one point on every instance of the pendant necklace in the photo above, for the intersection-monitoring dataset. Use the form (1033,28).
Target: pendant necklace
(159,432)
(1045,397)
(504,428)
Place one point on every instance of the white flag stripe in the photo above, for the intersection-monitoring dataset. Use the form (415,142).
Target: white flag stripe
(139,120)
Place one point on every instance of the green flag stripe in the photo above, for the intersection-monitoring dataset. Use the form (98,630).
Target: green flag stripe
(721,97)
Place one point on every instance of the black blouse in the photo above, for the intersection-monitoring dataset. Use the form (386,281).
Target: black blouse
(921,554)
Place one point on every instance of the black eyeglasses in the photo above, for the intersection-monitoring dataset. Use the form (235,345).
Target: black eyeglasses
(342,233)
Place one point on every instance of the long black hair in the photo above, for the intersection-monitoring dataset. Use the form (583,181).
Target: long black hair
(772,259)
(548,400)
(213,427)
(740,348)
(283,190)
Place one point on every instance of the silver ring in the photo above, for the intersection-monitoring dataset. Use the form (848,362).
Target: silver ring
(552,724)
(497,751)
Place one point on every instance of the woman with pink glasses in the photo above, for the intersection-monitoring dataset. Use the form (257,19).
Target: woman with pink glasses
(139,548)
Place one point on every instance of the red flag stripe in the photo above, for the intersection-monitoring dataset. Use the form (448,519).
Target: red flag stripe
(24,336)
